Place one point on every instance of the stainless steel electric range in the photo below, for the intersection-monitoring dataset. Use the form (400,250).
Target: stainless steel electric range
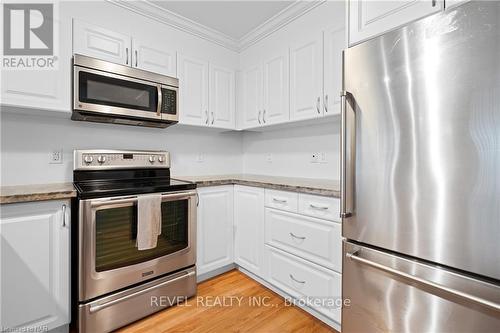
(115,283)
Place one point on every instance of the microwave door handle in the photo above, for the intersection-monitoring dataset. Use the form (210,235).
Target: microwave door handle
(158,107)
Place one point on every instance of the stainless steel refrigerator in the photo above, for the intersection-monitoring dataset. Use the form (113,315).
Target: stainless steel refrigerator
(421,176)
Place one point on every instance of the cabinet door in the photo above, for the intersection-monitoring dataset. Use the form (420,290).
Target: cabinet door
(157,58)
(215,228)
(306,78)
(222,98)
(35,267)
(252,96)
(276,90)
(249,223)
(104,44)
(368,19)
(193,90)
(334,43)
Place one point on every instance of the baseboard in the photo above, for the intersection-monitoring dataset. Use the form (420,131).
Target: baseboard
(283,294)
(215,272)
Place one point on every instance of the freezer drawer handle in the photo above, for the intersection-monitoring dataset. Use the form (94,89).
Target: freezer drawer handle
(415,279)
(298,281)
(98,307)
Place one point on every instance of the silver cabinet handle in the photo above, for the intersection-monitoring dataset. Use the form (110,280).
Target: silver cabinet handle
(317,105)
(298,281)
(344,200)
(318,207)
(264,116)
(258,117)
(415,279)
(298,237)
(279,200)
(64,215)
(213,118)
(206,114)
(197,199)
(126,53)
(135,58)
(434,3)
(326,103)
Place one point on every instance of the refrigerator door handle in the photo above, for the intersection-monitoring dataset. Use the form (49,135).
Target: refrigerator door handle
(344,200)
(424,282)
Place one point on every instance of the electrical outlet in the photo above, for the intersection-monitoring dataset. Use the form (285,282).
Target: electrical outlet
(315,157)
(200,158)
(56,156)
(323,158)
(269,158)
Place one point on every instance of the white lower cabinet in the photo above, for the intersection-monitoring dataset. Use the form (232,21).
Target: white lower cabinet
(35,265)
(214,228)
(249,223)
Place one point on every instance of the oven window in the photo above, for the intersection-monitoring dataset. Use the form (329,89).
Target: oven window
(116,233)
(103,90)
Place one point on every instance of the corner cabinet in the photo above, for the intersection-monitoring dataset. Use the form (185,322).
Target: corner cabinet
(214,228)
(221,96)
(251,78)
(249,224)
(35,265)
(368,19)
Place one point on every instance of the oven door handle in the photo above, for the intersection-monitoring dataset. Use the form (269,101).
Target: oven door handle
(131,199)
(98,307)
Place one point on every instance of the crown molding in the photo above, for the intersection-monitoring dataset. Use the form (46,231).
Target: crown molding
(148,9)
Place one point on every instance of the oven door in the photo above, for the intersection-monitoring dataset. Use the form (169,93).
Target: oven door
(108,257)
(99,92)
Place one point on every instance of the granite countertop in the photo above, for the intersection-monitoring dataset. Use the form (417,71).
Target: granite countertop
(37,192)
(323,187)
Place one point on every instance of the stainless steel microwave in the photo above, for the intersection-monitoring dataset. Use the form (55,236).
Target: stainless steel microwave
(112,93)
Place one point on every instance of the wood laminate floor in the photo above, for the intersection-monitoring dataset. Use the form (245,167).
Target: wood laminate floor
(206,312)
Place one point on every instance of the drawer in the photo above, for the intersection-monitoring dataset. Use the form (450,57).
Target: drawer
(322,207)
(306,281)
(282,200)
(313,239)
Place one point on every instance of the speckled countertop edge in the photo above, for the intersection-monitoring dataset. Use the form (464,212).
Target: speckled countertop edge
(36,192)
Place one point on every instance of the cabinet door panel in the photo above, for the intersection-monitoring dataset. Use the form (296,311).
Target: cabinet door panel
(306,79)
(334,43)
(193,90)
(249,222)
(215,228)
(368,19)
(222,99)
(276,90)
(252,96)
(35,269)
(104,44)
(156,58)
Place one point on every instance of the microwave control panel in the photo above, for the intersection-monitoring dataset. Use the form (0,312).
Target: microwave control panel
(169,101)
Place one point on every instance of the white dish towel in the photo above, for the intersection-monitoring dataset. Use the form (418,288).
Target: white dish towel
(148,221)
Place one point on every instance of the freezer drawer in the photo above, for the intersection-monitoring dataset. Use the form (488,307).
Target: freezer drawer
(389,293)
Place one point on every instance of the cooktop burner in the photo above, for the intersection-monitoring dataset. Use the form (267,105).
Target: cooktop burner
(100,173)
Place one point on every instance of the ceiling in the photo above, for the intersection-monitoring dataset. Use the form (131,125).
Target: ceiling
(232,18)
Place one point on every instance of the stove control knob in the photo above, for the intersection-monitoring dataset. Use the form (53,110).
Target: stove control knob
(87,159)
(161,159)
(101,159)
(152,158)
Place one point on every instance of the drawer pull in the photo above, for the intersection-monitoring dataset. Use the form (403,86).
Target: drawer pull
(298,281)
(318,207)
(279,200)
(298,237)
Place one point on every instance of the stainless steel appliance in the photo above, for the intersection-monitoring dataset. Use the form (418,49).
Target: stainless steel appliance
(421,176)
(108,92)
(113,281)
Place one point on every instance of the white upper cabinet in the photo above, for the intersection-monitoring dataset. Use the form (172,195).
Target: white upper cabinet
(35,265)
(157,58)
(222,97)
(368,19)
(215,228)
(334,43)
(97,42)
(306,78)
(193,90)
(276,90)
(252,96)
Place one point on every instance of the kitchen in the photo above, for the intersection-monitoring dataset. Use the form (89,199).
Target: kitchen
(281,197)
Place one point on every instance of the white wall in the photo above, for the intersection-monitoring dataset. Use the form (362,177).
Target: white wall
(291,151)
(26,142)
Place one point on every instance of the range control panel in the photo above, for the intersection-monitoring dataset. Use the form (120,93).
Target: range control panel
(120,159)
